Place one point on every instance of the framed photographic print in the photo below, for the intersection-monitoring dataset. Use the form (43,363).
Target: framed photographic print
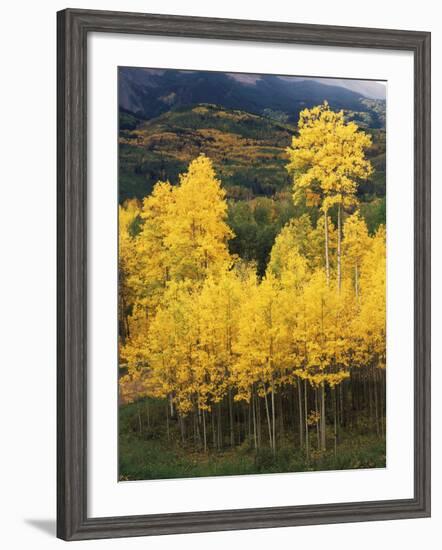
(243,274)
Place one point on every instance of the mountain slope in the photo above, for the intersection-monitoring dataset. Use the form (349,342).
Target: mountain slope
(150,92)
(248,151)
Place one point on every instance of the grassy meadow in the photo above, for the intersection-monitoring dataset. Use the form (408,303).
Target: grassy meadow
(147,453)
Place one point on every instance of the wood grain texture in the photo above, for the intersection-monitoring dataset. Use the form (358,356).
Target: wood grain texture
(72,29)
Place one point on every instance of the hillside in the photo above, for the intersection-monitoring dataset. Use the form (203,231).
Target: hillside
(248,151)
(149,92)
(249,156)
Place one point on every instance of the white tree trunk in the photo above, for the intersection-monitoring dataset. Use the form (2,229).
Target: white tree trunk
(268,418)
(204,430)
(307,443)
(273,419)
(301,428)
(339,246)
(323,440)
(327,257)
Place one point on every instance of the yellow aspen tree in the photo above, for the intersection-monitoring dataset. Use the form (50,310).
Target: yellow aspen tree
(171,348)
(355,244)
(327,157)
(285,257)
(219,304)
(327,321)
(196,228)
(317,245)
(261,360)
(292,270)
(370,324)
(147,276)
(152,252)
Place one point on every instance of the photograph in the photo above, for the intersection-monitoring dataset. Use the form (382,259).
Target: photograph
(251,273)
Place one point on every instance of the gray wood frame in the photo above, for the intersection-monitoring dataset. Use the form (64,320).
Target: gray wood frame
(73,28)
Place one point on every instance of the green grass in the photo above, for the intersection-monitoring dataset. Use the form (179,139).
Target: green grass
(149,455)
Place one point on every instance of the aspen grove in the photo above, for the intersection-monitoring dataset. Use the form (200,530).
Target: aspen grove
(290,358)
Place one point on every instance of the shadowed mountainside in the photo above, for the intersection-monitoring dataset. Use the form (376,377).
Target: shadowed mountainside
(148,92)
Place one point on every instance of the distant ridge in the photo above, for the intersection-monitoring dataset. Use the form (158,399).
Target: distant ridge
(149,93)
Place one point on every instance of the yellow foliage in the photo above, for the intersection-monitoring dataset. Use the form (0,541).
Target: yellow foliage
(196,231)
(326,158)
(196,323)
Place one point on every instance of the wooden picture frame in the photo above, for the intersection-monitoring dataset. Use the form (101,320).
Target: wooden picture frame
(73,28)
